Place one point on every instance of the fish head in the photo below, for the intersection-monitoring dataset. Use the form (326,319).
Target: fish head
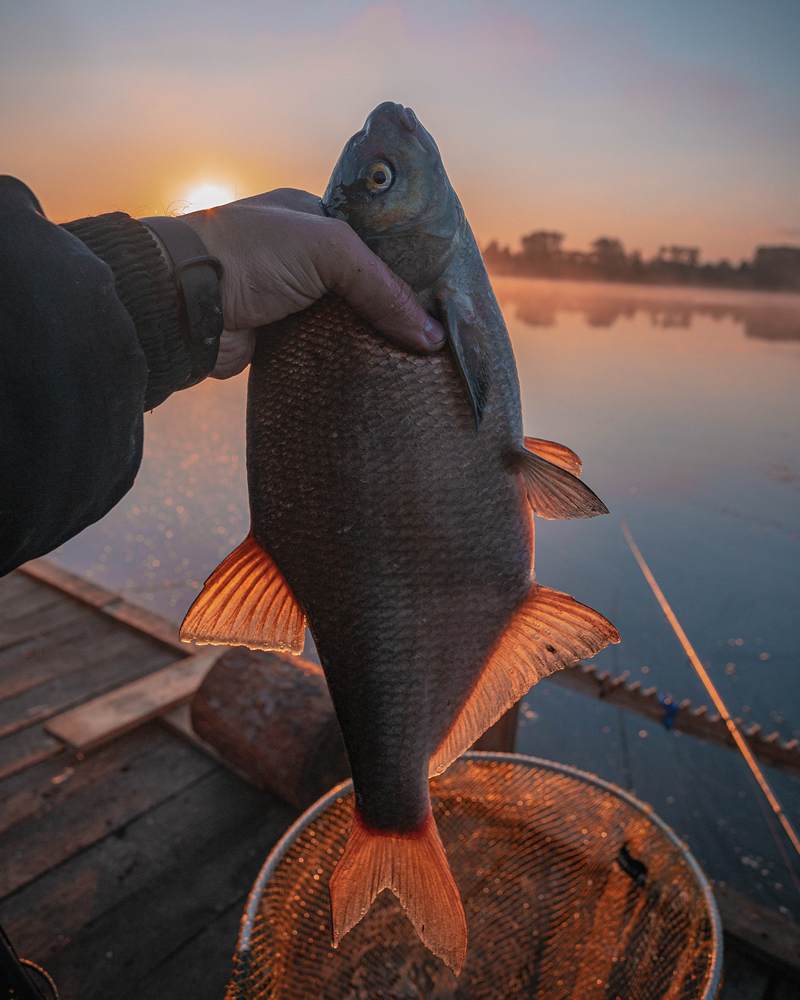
(390,185)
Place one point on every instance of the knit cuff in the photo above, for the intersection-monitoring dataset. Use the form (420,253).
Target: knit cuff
(146,288)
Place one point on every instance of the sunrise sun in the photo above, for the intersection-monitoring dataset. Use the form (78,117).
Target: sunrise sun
(207,195)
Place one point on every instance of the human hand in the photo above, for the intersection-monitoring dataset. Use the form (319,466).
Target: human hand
(280,253)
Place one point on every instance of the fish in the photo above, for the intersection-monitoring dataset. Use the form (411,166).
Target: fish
(392,499)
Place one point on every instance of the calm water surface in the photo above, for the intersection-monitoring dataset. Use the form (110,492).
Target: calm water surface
(684,407)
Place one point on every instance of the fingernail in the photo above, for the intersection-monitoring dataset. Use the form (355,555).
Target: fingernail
(433,333)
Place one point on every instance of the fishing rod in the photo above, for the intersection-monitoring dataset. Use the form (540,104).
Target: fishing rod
(716,697)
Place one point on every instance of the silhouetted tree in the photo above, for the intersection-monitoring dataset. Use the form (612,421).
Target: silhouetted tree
(542,254)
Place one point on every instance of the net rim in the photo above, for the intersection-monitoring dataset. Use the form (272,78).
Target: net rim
(344,788)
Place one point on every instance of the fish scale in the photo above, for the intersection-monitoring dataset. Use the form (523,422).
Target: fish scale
(437,552)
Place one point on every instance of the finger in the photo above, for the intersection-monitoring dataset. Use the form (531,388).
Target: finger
(350,269)
(235,353)
(291,198)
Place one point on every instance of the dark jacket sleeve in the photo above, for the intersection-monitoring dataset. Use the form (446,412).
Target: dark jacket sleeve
(90,336)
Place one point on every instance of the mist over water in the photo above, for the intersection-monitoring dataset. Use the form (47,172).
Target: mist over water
(683,404)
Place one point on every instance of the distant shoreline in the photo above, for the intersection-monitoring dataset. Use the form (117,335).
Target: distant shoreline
(542,255)
(666,285)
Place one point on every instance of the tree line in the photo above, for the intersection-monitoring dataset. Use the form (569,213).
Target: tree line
(542,254)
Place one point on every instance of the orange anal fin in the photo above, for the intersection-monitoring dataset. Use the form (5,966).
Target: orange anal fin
(414,867)
(555,493)
(547,632)
(558,454)
(246,602)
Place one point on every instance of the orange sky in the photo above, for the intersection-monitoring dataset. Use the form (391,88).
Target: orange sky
(625,120)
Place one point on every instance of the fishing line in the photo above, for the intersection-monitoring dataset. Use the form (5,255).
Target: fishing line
(716,697)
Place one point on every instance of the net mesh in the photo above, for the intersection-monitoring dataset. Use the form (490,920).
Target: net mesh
(571,889)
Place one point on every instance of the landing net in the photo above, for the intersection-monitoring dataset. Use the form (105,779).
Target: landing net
(572,888)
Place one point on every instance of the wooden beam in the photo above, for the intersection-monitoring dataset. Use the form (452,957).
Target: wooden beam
(108,603)
(53,575)
(759,931)
(683,716)
(104,718)
(179,721)
(150,623)
(25,749)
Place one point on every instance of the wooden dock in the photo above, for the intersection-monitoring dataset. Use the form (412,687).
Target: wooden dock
(126,848)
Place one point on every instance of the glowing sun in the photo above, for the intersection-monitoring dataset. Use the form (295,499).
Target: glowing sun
(207,195)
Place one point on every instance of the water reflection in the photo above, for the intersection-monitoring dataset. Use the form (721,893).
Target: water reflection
(538,303)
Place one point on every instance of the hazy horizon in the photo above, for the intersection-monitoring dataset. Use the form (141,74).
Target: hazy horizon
(653,124)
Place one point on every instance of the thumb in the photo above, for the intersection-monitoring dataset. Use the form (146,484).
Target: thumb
(351,270)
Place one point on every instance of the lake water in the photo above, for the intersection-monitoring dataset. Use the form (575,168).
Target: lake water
(684,406)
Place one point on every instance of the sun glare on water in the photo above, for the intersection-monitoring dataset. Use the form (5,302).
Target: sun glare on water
(207,195)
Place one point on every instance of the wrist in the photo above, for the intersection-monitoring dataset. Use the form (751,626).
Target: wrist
(197,275)
(143,283)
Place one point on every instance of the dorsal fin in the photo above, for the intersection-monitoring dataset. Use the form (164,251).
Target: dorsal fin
(548,631)
(553,492)
(246,602)
(558,454)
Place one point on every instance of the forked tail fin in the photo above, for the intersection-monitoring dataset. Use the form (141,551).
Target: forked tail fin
(415,867)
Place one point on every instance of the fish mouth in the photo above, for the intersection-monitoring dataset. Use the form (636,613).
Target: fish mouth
(343,189)
(334,202)
(396,113)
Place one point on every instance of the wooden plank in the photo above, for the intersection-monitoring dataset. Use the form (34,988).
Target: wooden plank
(116,658)
(108,602)
(19,595)
(46,571)
(47,913)
(102,719)
(29,794)
(66,648)
(13,586)
(25,749)
(784,989)
(124,780)
(45,787)
(201,968)
(110,957)
(24,606)
(743,978)
(761,933)
(38,620)
(150,623)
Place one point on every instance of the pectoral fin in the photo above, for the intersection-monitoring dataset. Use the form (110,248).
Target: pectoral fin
(548,631)
(555,493)
(558,454)
(246,602)
(469,343)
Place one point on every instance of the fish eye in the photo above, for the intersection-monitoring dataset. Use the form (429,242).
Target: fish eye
(379,177)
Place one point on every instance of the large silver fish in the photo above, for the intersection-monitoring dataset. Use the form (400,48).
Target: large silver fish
(391,501)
